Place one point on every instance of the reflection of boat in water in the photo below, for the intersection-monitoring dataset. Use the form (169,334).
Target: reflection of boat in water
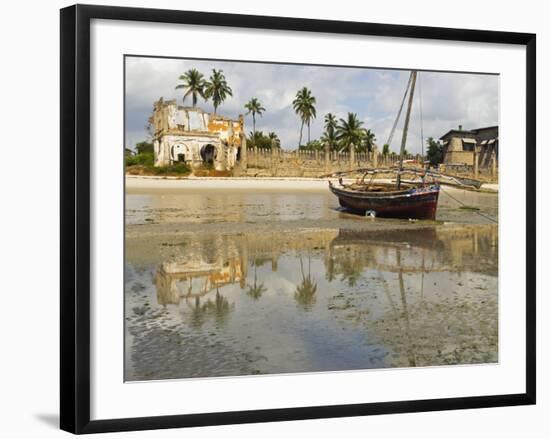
(428,249)
(385,200)
(425,237)
(411,200)
(420,297)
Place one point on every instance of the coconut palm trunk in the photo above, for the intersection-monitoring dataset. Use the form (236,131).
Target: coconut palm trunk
(304,106)
(254,107)
(254,127)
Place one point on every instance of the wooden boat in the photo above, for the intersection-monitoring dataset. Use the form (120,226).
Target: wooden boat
(418,201)
(386,201)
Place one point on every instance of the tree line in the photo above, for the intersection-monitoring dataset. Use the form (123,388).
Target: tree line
(340,134)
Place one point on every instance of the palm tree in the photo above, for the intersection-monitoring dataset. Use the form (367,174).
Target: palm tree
(254,106)
(197,312)
(274,139)
(329,136)
(193,83)
(255,291)
(369,140)
(304,106)
(351,269)
(349,132)
(217,88)
(435,151)
(220,307)
(305,292)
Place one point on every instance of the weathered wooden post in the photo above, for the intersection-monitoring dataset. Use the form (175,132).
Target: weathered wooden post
(375,156)
(476,162)
(244,151)
(274,260)
(244,263)
(493,164)
(351,156)
(274,157)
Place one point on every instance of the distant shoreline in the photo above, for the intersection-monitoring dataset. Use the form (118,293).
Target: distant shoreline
(137,183)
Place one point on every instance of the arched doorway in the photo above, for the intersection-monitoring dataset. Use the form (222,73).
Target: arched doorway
(180,153)
(208,154)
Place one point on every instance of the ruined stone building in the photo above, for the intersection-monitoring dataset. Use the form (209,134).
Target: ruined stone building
(192,136)
(461,146)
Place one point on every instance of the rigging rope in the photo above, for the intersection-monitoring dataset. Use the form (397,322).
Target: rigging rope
(399,113)
(463,204)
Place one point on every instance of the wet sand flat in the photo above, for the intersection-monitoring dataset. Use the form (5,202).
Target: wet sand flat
(232,281)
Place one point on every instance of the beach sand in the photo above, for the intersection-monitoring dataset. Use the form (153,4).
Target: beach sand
(141,183)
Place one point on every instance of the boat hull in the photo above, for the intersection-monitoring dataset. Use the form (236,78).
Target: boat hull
(416,203)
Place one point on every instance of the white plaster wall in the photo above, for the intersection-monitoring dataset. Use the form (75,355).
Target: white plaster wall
(191,147)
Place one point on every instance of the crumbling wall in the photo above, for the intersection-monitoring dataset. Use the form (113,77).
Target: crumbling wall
(228,130)
(301,163)
(181,134)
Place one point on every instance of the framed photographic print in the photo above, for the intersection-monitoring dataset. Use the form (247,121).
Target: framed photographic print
(268,218)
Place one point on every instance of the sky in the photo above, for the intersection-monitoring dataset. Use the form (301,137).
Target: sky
(442,100)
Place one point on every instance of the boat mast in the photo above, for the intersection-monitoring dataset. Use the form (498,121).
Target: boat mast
(406,128)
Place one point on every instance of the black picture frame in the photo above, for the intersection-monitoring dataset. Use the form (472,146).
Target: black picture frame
(75,217)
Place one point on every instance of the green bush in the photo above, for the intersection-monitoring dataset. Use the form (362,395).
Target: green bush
(144,147)
(263,141)
(312,146)
(178,168)
(144,158)
(435,152)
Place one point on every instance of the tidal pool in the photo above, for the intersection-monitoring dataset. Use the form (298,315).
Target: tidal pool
(285,283)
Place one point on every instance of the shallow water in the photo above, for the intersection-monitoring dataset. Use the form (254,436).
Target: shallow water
(208,206)
(235,283)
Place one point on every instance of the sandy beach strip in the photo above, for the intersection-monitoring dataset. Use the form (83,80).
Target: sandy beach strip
(147,183)
(136,183)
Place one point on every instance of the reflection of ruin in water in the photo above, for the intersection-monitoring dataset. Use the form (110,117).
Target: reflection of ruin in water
(193,279)
(210,265)
(423,298)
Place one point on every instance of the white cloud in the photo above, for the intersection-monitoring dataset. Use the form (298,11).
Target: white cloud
(448,99)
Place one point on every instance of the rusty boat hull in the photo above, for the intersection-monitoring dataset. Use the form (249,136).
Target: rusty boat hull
(412,203)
